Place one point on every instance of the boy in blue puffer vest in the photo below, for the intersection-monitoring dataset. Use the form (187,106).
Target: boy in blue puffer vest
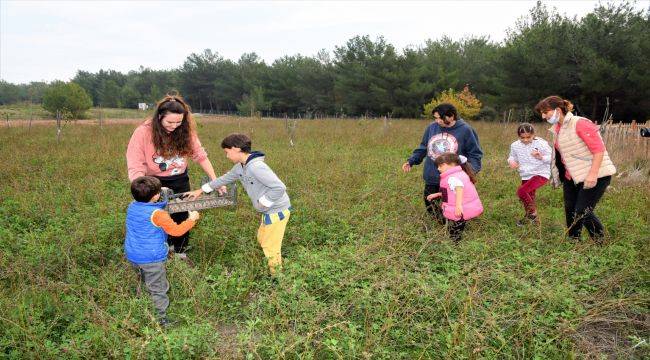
(145,246)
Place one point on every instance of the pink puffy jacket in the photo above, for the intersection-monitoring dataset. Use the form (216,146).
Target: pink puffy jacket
(472,206)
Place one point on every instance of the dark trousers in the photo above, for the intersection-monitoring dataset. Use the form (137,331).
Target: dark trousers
(434,208)
(456,229)
(178,183)
(579,205)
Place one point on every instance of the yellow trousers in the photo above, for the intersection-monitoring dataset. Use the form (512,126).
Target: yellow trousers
(270,238)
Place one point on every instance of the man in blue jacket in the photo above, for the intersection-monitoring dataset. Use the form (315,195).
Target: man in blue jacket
(448,133)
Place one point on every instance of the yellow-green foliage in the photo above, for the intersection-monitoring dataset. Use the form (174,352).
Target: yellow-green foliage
(466,103)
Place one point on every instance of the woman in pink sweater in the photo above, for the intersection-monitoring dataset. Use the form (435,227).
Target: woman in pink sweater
(161,147)
(581,163)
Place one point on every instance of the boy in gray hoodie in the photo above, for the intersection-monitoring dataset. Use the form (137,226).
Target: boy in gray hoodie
(266,191)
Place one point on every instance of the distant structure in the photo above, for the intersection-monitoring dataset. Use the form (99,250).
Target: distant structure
(143,106)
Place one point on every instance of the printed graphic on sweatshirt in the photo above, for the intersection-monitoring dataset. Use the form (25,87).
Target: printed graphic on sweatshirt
(441,143)
(175,163)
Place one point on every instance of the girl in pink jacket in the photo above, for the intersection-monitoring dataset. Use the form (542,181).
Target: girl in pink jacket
(460,201)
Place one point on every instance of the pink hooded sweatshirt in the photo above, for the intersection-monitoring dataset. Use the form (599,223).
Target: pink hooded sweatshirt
(141,157)
(472,206)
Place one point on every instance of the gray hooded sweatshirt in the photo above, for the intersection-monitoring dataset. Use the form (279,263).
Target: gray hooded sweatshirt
(267,192)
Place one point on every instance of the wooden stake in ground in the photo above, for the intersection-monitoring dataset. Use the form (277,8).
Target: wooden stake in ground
(58,125)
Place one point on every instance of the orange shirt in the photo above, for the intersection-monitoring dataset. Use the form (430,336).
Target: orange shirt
(162,219)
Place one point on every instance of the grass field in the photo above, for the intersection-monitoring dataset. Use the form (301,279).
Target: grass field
(367,274)
(26,111)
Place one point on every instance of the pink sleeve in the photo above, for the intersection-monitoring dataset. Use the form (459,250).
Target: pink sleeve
(588,132)
(198,152)
(135,159)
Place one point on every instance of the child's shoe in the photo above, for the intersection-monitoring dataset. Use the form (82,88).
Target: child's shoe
(528,220)
(166,323)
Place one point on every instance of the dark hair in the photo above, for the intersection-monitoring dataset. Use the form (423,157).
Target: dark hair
(446,109)
(237,140)
(144,188)
(179,141)
(525,128)
(553,102)
(451,158)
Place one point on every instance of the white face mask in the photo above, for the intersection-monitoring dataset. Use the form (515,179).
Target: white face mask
(554,119)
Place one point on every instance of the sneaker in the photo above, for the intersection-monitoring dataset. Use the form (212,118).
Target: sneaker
(181,256)
(166,323)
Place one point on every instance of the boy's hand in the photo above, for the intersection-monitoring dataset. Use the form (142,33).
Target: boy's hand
(459,210)
(433,196)
(194,215)
(513,164)
(406,167)
(194,194)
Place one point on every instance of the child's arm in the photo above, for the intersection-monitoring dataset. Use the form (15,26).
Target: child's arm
(433,196)
(545,150)
(459,201)
(268,178)
(162,219)
(457,185)
(512,158)
(218,183)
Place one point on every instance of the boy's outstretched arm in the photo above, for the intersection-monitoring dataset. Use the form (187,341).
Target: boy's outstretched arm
(162,219)
(218,183)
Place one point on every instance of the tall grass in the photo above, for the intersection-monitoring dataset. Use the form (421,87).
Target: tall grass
(367,274)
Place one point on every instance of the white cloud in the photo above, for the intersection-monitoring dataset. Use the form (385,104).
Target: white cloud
(52,40)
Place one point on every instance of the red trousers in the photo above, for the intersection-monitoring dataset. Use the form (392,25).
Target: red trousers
(526,192)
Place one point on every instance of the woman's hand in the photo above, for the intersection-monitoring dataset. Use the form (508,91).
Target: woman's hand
(433,196)
(590,181)
(195,194)
(406,167)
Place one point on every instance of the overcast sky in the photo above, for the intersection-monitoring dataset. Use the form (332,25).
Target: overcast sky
(48,40)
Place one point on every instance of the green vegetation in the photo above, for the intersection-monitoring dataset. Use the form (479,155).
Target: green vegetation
(67,99)
(26,111)
(367,274)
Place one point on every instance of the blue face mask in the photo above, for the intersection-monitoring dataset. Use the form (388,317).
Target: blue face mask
(554,119)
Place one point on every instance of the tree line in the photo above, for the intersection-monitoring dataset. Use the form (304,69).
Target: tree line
(602,58)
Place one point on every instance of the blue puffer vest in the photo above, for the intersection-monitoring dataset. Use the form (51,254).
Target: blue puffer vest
(145,242)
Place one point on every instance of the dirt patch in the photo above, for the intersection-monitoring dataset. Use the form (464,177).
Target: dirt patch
(228,347)
(623,335)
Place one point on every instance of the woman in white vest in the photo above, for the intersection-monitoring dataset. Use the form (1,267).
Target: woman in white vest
(580,163)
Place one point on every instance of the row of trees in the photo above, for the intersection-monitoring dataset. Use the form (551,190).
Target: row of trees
(604,55)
